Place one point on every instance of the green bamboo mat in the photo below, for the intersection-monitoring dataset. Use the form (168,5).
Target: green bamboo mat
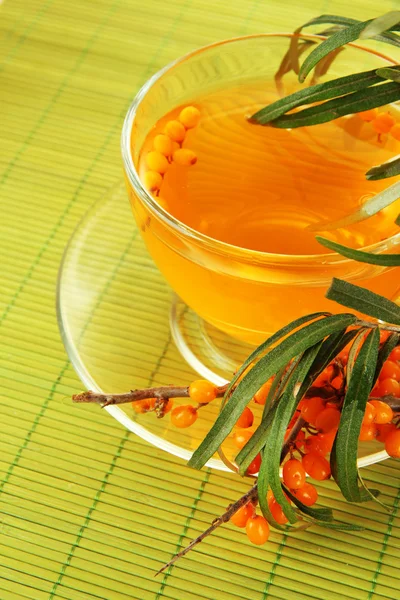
(88,511)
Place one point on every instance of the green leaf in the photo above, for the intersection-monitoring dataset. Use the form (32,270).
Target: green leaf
(337,525)
(262,489)
(390,168)
(365,99)
(319,514)
(344,451)
(389,73)
(290,62)
(371,494)
(353,353)
(269,472)
(341,38)
(392,341)
(316,93)
(369,208)
(364,301)
(268,365)
(380,24)
(383,260)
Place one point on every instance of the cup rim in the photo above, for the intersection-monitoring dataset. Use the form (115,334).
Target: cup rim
(215,245)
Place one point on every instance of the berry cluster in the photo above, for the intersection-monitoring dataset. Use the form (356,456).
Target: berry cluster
(167,148)
(382,122)
(308,451)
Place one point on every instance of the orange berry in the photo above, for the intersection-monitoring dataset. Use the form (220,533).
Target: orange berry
(277,512)
(175,146)
(254,466)
(143,406)
(368,115)
(325,377)
(383,122)
(202,391)
(383,336)
(162,202)
(184,416)
(383,412)
(395,353)
(369,415)
(316,466)
(241,437)
(152,180)
(327,419)
(367,432)
(257,530)
(311,409)
(246,418)
(395,131)
(185,157)
(337,382)
(389,387)
(293,474)
(308,494)
(156,162)
(242,515)
(382,431)
(162,143)
(390,370)
(392,444)
(327,439)
(261,396)
(344,357)
(189,116)
(175,130)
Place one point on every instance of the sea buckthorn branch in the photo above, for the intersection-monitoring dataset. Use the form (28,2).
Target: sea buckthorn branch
(248,497)
(163,392)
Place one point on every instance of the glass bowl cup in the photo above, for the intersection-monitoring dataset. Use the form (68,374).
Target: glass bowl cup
(204,272)
(247,294)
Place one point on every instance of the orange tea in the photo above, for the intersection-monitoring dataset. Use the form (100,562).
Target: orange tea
(257,189)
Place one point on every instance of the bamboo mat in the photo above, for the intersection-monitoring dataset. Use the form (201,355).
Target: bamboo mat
(88,511)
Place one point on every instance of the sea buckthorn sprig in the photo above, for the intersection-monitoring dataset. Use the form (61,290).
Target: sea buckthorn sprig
(167,148)
(310,448)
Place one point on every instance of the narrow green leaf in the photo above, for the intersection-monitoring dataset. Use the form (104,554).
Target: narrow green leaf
(383,260)
(276,389)
(276,432)
(392,341)
(365,99)
(363,300)
(256,443)
(389,73)
(390,168)
(371,494)
(337,525)
(344,452)
(268,365)
(353,353)
(262,348)
(380,24)
(369,208)
(341,38)
(316,93)
(319,514)
(262,489)
(290,62)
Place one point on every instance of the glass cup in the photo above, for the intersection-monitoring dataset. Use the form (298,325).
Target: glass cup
(244,293)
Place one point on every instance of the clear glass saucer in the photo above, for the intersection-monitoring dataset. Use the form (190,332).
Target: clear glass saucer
(123,328)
